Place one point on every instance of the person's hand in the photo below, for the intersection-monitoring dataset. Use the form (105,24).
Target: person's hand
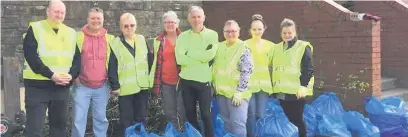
(237,99)
(61,78)
(66,78)
(301,93)
(115,92)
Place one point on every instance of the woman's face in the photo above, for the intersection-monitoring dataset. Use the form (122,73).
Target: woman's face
(231,33)
(170,24)
(288,33)
(257,29)
(128,27)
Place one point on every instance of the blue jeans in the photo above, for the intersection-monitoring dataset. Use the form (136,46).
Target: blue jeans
(235,118)
(99,98)
(256,110)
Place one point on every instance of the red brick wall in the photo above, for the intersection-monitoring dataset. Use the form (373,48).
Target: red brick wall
(393,36)
(340,46)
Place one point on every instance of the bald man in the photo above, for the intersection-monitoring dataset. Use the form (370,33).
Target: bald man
(52,60)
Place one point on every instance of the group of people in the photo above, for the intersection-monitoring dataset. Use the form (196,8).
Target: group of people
(182,68)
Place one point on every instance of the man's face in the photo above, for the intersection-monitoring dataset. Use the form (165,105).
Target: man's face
(56,12)
(196,18)
(95,20)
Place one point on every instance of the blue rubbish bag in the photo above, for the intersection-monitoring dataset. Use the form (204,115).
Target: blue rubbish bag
(214,108)
(328,104)
(332,126)
(309,116)
(275,126)
(274,107)
(219,127)
(137,130)
(153,135)
(232,135)
(357,124)
(189,131)
(389,115)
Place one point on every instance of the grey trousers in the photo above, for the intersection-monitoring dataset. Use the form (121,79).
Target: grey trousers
(173,105)
(235,118)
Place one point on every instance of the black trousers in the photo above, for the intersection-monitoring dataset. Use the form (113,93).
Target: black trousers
(194,91)
(132,109)
(294,111)
(37,100)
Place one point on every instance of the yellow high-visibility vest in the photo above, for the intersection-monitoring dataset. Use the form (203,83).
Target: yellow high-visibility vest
(225,72)
(133,72)
(287,68)
(260,77)
(156,45)
(56,50)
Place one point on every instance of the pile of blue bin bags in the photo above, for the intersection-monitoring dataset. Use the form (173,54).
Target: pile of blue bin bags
(324,117)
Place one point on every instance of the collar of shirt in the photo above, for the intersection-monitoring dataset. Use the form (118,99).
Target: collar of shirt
(200,33)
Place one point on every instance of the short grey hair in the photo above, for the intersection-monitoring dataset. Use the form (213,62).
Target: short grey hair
(171,14)
(54,2)
(232,22)
(95,9)
(195,8)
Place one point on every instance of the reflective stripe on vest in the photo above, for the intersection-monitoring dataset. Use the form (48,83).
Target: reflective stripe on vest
(226,75)
(260,77)
(287,68)
(132,71)
(156,45)
(56,50)
(108,38)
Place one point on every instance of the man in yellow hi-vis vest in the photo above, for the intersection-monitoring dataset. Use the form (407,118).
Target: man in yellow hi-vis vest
(292,74)
(52,60)
(92,83)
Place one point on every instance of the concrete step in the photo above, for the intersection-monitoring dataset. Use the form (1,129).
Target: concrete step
(388,83)
(399,92)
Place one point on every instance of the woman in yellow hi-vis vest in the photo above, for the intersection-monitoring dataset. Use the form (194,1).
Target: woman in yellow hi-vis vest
(232,69)
(292,74)
(260,83)
(132,69)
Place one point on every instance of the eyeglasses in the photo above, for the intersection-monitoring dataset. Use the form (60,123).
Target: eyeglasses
(169,22)
(230,31)
(129,25)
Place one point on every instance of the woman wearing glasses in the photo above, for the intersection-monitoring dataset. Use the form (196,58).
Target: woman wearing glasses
(130,64)
(232,69)
(261,85)
(165,70)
